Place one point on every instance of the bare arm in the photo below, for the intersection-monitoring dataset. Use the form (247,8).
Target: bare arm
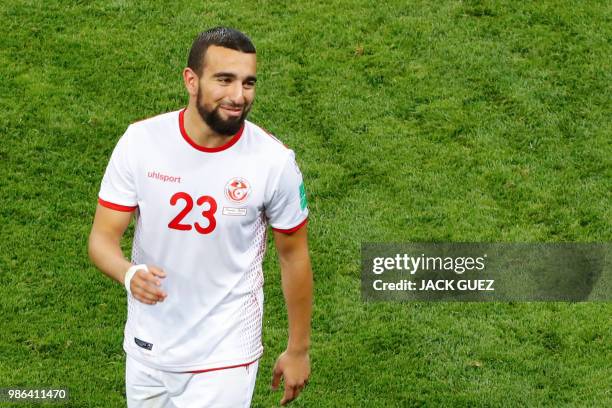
(105,252)
(294,364)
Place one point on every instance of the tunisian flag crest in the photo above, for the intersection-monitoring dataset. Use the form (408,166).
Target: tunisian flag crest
(237,190)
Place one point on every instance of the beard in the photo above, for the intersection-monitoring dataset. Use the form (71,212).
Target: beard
(225,127)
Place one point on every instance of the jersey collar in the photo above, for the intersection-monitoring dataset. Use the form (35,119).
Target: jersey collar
(196,146)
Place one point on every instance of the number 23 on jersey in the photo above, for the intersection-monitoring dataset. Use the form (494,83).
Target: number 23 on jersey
(208,214)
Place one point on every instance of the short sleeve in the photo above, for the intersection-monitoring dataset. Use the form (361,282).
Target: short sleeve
(118,189)
(287,209)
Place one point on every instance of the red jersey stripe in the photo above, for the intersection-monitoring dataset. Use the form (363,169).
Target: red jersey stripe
(116,207)
(291,230)
(222,368)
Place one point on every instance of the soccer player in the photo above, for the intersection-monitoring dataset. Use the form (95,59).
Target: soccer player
(203,183)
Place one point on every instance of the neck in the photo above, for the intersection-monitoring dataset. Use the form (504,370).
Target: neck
(200,132)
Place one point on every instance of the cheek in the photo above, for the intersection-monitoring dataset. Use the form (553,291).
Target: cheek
(211,94)
(249,95)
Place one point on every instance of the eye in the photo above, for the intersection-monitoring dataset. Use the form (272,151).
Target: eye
(225,80)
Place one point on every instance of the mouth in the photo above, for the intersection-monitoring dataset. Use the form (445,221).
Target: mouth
(232,111)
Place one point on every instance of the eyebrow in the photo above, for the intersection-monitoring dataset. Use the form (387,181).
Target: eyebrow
(251,78)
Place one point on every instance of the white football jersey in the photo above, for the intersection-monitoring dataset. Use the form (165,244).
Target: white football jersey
(202,216)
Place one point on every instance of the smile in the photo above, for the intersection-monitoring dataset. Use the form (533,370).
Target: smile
(232,111)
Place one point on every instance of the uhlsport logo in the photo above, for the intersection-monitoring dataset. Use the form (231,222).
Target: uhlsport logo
(237,190)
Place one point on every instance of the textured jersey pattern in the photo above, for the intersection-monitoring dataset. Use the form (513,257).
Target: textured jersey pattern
(252,308)
(137,259)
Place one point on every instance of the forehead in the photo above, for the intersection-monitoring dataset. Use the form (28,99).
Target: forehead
(220,59)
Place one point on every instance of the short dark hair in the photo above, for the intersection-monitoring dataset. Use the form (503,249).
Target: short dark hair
(220,36)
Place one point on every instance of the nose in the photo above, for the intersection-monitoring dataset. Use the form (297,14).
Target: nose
(237,94)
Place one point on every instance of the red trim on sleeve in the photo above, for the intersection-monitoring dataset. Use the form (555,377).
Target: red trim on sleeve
(116,207)
(222,368)
(196,146)
(291,230)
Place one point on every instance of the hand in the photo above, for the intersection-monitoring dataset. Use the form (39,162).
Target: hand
(295,370)
(145,286)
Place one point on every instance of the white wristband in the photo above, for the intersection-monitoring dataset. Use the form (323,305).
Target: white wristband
(130,274)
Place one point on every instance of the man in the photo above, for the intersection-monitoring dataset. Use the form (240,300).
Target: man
(203,183)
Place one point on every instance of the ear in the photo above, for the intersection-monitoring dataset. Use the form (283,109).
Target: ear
(192,82)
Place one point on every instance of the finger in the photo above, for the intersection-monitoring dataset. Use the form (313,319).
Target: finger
(157,271)
(297,390)
(145,281)
(150,283)
(289,395)
(156,294)
(146,295)
(149,277)
(143,298)
(276,377)
(145,288)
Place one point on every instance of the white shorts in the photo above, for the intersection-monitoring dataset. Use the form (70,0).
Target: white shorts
(151,388)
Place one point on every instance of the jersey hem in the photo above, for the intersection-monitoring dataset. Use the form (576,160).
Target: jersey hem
(116,207)
(291,230)
(198,367)
(222,368)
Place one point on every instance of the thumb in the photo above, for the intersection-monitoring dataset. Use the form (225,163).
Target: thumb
(276,377)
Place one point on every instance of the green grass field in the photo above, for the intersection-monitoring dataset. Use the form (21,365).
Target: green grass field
(413,121)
